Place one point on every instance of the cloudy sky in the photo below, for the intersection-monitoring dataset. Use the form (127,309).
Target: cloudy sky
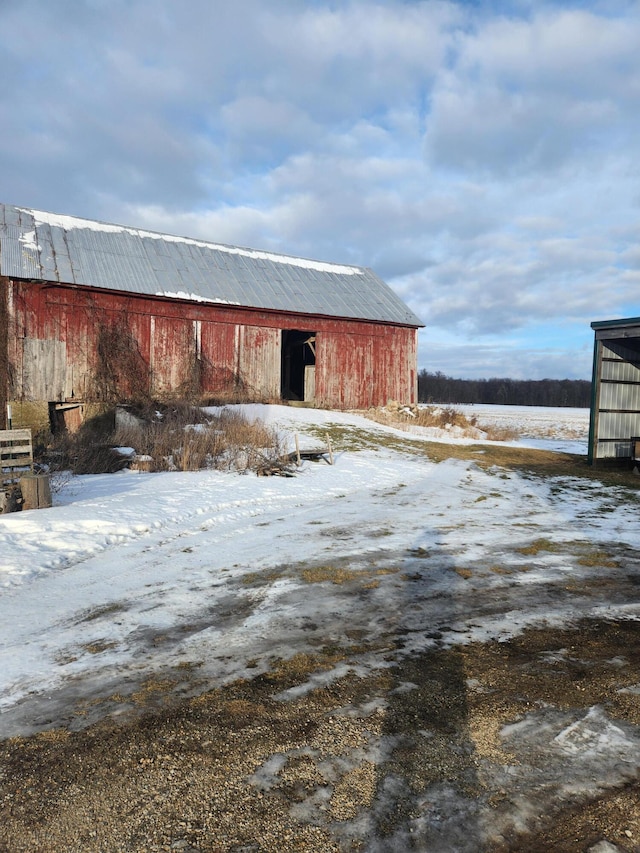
(482,157)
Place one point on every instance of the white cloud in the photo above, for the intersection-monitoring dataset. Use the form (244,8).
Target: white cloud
(481,157)
(531,93)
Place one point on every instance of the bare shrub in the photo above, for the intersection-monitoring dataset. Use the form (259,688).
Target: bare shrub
(177,437)
(79,454)
(120,371)
(87,451)
(59,480)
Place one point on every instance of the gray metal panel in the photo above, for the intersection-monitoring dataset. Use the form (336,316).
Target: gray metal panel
(620,371)
(11,215)
(10,251)
(620,425)
(97,255)
(17,258)
(48,264)
(618,413)
(615,396)
(63,260)
(613,449)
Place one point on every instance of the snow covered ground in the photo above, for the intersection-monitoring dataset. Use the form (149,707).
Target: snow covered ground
(134,574)
(537,426)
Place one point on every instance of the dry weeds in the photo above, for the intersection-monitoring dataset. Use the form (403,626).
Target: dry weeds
(176,437)
(439,417)
(423,416)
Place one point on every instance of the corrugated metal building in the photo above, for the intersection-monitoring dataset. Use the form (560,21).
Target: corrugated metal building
(91,311)
(615,401)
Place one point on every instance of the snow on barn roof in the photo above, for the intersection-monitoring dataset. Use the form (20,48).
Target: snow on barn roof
(70,250)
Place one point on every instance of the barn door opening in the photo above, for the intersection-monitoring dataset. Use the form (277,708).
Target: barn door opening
(298,365)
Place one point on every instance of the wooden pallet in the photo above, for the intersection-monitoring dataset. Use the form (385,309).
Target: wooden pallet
(16,455)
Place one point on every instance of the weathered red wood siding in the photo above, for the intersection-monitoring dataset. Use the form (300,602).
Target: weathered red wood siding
(55,332)
(4,352)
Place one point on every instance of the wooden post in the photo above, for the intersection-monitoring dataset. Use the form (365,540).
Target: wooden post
(36,491)
(297,449)
(330,450)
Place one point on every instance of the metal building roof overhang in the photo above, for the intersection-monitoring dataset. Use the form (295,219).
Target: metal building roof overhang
(35,245)
(625,332)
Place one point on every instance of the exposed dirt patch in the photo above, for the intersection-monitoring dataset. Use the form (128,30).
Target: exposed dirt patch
(452,749)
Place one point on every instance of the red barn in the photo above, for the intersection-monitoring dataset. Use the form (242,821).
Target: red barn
(94,312)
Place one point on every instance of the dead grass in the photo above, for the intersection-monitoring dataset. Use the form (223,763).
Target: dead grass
(264,577)
(423,416)
(184,439)
(585,555)
(53,736)
(497,433)
(332,574)
(176,437)
(340,575)
(245,709)
(302,665)
(419,553)
(539,545)
(98,647)
(152,687)
(598,558)
(439,417)
(464,573)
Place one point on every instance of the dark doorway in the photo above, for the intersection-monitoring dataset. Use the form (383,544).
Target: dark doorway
(298,365)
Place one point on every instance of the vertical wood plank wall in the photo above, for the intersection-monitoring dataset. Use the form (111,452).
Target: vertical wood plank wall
(52,347)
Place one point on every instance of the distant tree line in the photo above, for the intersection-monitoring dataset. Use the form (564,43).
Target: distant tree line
(438,388)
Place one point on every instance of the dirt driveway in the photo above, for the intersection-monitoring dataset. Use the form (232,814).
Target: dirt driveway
(477,691)
(528,744)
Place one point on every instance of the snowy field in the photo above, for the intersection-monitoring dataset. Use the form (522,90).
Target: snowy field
(132,575)
(537,426)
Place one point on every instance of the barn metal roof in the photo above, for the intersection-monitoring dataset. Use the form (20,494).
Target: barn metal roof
(70,250)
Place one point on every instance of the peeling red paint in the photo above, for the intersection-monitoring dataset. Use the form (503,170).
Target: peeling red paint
(224,348)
